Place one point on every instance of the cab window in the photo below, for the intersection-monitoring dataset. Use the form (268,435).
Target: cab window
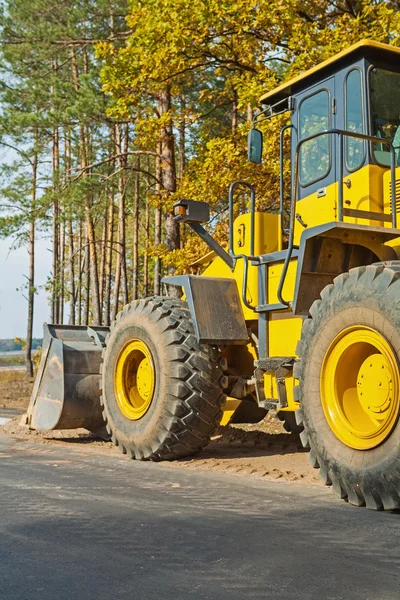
(385,113)
(315,155)
(354,120)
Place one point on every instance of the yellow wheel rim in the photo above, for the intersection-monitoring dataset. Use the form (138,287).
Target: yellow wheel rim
(134,380)
(360,387)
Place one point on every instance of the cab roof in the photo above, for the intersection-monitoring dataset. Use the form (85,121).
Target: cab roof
(365,48)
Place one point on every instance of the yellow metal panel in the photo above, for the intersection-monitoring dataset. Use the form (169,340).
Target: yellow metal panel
(274,277)
(387,198)
(284,333)
(364,191)
(316,211)
(267,239)
(284,329)
(228,409)
(267,234)
(367,189)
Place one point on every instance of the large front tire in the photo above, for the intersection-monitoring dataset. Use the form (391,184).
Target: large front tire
(161,389)
(349,386)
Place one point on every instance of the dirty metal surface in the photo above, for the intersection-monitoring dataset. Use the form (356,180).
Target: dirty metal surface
(219,315)
(66,393)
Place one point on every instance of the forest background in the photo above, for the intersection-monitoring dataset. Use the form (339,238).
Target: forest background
(111,110)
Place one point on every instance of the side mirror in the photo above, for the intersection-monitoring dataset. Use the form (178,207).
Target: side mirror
(255,146)
(191,211)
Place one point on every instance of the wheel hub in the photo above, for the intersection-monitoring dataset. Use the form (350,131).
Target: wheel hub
(360,387)
(134,380)
(375,385)
(144,378)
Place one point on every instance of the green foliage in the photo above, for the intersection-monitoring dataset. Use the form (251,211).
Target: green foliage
(219,54)
(17,344)
(79,70)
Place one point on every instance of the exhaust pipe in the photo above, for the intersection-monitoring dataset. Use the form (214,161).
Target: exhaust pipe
(66,393)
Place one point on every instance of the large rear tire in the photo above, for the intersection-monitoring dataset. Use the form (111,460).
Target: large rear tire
(161,389)
(349,386)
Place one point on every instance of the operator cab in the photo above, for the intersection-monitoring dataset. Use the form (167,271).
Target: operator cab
(344,130)
(345,174)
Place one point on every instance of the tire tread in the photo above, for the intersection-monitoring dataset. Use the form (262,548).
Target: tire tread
(195,391)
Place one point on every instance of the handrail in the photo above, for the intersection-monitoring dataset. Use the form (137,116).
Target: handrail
(245,277)
(252,209)
(341,133)
(231,250)
(281,178)
(268,113)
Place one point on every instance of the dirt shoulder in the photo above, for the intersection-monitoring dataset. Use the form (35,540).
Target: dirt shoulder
(15,389)
(263,450)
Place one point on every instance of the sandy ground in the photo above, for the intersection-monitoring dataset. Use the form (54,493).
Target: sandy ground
(262,450)
(15,389)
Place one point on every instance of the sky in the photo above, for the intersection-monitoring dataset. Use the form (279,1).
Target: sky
(13,306)
(14,268)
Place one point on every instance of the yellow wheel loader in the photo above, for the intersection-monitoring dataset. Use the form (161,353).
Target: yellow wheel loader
(299,315)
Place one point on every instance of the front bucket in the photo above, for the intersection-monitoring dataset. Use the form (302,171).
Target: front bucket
(66,394)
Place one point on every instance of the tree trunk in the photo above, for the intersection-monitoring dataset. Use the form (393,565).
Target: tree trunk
(120,267)
(135,266)
(108,266)
(55,217)
(80,271)
(91,262)
(86,283)
(90,237)
(124,164)
(250,114)
(31,278)
(55,229)
(182,151)
(94,279)
(71,256)
(72,295)
(234,113)
(169,183)
(146,236)
(61,267)
(103,256)
(157,224)
(182,135)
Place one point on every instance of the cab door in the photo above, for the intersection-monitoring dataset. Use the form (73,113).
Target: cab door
(316,181)
(362,180)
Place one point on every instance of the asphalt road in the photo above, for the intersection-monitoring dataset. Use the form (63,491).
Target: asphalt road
(79,525)
(6,414)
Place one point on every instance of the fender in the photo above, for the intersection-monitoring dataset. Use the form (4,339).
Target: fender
(215,307)
(328,250)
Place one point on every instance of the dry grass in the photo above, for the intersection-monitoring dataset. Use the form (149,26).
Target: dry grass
(12,360)
(8,376)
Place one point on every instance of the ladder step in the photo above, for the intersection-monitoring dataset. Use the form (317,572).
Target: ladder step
(275,362)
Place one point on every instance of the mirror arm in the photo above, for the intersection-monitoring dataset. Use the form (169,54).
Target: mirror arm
(213,244)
